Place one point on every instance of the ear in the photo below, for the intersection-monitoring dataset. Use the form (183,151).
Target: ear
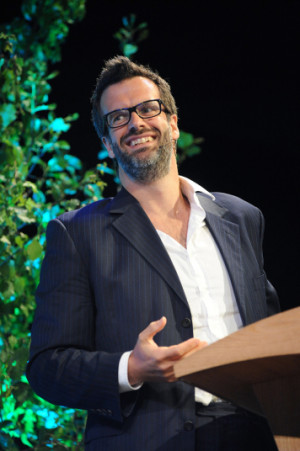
(174,127)
(107,144)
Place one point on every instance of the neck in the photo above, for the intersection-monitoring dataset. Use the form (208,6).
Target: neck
(159,197)
(163,202)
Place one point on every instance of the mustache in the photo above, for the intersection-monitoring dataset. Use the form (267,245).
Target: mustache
(138,133)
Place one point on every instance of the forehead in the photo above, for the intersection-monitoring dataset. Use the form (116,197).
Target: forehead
(128,93)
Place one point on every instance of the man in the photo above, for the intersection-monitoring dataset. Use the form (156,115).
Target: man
(131,284)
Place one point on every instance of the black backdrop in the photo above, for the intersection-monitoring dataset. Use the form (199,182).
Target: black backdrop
(233,68)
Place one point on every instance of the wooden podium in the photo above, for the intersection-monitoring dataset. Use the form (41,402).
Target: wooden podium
(257,368)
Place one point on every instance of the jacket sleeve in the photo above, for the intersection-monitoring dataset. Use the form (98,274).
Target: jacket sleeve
(272,300)
(65,367)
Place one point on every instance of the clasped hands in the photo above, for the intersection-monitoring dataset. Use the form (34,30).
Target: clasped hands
(150,362)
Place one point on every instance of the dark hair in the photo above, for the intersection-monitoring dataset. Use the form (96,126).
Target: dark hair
(121,68)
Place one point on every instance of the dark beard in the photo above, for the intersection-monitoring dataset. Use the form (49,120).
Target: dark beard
(146,170)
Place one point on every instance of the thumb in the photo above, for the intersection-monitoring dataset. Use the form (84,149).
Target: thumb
(153,328)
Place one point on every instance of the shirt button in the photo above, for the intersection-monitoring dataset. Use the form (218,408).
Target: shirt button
(188,426)
(186,322)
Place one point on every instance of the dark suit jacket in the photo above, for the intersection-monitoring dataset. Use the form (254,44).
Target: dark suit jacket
(105,277)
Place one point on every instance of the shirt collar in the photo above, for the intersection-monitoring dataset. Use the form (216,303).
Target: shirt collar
(190,188)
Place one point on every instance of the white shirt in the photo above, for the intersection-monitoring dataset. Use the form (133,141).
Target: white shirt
(205,281)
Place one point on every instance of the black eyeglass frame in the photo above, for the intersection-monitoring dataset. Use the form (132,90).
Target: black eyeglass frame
(133,109)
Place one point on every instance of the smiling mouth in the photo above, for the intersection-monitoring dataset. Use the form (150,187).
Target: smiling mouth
(137,141)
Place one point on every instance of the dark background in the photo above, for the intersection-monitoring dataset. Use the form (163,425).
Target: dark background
(233,68)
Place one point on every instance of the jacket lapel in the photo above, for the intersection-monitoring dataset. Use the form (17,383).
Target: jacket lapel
(132,222)
(227,236)
(134,225)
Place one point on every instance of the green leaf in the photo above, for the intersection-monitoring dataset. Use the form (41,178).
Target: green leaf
(143,35)
(102,168)
(72,117)
(20,284)
(40,108)
(130,49)
(19,242)
(4,239)
(9,291)
(185,139)
(56,164)
(24,440)
(30,185)
(34,249)
(39,196)
(21,392)
(52,75)
(142,25)
(125,21)
(8,114)
(193,150)
(23,215)
(103,154)
(59,125)
(132,19)
(118,36)
(12,340)
(125,33)
(73,161)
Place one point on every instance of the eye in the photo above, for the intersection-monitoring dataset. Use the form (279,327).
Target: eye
(148,108)
(118,117)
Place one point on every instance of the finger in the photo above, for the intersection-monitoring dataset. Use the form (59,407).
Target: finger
(190,345)
(201,345)
(153,328)
(176,352)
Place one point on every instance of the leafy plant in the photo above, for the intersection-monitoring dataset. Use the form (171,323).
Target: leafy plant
(39,179)
(187,146)
(130,35)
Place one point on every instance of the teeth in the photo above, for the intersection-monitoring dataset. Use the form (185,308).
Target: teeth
(141,140)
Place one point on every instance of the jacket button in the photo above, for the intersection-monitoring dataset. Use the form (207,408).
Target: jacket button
(188,426)
(186,322)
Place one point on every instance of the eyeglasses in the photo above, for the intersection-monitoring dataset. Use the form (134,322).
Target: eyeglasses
(144,110)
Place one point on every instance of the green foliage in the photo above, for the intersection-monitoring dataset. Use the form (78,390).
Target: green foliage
(39,179)
(130,35)
(187,146)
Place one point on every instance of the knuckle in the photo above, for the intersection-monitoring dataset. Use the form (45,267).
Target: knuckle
(142,336)
(157,358)
(177,352)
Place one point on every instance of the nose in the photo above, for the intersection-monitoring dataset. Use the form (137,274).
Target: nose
(136,121)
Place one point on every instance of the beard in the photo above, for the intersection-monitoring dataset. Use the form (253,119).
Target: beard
(146,169)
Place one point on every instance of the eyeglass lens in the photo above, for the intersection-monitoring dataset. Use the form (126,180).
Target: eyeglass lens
(145,110)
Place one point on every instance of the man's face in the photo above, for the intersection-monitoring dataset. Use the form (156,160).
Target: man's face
(143,147)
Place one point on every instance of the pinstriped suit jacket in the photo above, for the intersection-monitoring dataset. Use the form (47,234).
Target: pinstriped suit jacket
(105,277)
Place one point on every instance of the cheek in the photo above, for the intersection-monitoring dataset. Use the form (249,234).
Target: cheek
(108,143)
